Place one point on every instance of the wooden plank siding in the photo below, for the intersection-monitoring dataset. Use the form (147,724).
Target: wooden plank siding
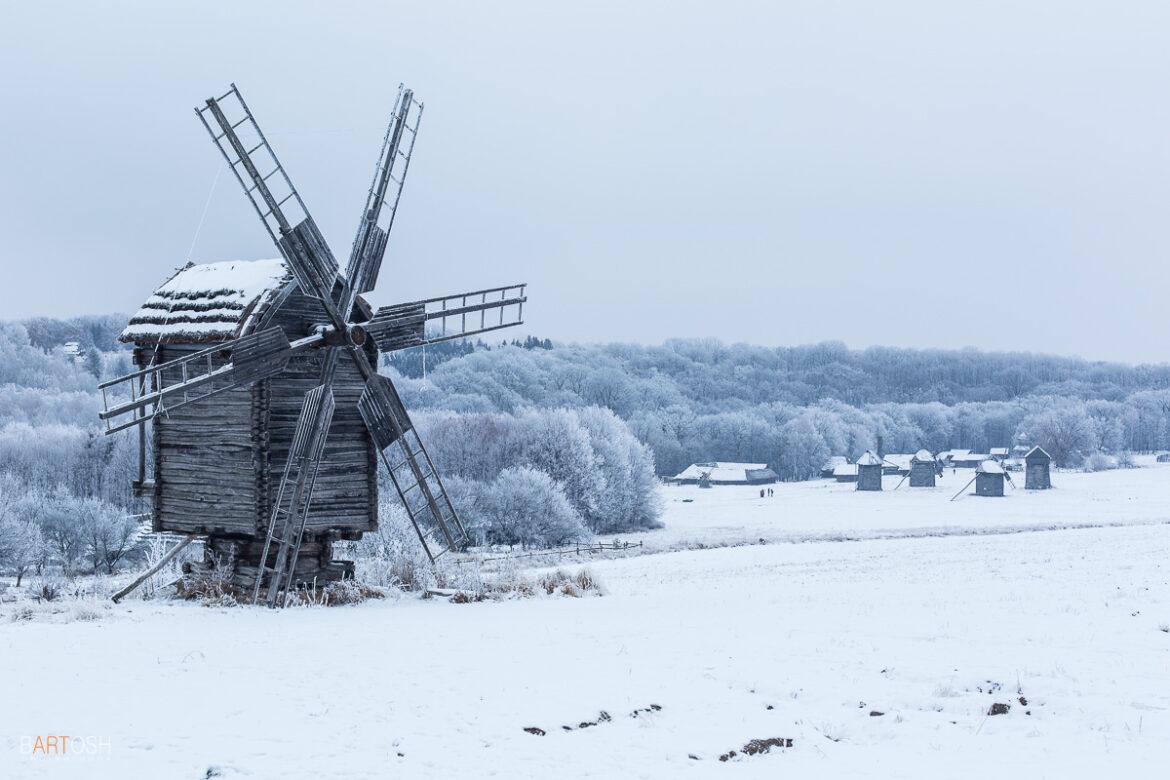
(219,461)
(206,461)
(346,492)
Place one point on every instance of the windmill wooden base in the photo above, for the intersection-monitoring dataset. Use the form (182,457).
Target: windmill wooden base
(237,561)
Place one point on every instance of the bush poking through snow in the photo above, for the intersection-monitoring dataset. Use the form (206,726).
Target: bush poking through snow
(512,584)
(1098,461)
(575,585)
(58,612)
(336,594)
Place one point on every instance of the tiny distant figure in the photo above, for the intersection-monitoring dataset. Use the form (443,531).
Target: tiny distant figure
(761,492)
(769,492)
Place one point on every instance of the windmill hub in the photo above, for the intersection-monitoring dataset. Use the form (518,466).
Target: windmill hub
(356,335)
(353,336)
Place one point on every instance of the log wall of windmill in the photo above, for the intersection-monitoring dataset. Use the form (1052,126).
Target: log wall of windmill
(346,491)
(205,468)
(869,477)
(989,484)
(922,473)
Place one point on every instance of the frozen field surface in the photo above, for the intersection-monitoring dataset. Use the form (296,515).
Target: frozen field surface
(690,654)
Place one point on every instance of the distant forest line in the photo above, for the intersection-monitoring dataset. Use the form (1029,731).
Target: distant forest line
(698,400)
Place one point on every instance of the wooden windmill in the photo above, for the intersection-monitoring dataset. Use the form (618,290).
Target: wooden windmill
(260,381)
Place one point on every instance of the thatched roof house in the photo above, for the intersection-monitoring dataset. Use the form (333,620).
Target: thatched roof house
(724,473)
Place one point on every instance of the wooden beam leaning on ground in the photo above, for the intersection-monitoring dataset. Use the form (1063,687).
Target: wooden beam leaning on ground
(162,562)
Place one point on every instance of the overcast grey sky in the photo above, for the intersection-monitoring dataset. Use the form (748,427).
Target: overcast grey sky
(904,173)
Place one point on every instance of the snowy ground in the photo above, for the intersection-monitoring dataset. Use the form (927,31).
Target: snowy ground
(792,641)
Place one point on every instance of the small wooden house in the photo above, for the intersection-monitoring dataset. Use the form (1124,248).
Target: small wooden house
(1000,453)
(923,469)
(723,473)
(1037,469)
(989,478)
(897,464)
(845,472)
(869,472)
(828,470)
(218,463)
(971,460)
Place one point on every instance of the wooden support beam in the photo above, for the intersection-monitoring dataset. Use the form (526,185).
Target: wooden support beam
(157,567)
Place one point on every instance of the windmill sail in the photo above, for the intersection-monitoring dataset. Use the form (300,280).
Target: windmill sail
(140,396)
(457,316)
(411,469)
(291,506)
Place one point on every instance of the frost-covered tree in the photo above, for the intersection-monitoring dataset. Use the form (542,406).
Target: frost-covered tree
(803,451)
(527,507)
(1066,432)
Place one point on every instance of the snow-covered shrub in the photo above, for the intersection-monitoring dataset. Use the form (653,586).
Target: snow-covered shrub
(1097,461)
(527,507)
(576,585)
(392,557)
(1125,460)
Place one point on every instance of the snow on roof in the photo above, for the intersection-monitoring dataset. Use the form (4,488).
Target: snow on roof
(869,459)
(209,302)
(989,467)
(845,470)
(1038,450)
(923,455)
(901,459)
(999,450)
(835,461)
(720,471)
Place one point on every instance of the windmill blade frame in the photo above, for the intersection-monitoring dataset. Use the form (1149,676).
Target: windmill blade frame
(163,387)
(434,518)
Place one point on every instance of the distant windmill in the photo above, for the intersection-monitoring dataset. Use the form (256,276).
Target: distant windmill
(288,335)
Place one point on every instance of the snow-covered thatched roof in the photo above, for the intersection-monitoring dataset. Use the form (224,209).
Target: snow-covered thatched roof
(999,452)
(900,460)
(845,470)
(989,467)
(209,302)
(922,456)
(1038,453)
(869,459)
(721,471)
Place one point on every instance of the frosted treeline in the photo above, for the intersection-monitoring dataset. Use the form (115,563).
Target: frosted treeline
(794,407)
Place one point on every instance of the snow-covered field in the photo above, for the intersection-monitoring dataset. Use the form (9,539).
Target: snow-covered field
(827,510)
(690,655)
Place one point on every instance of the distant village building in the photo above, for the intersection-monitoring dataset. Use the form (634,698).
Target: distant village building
(828,470)
(722,473)
(989,478)
(1000,453)
(869,472)
(1163,457)
(1038,469)
(923,469)
(845,472)
(74,351)
(964,458)
(898,464)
